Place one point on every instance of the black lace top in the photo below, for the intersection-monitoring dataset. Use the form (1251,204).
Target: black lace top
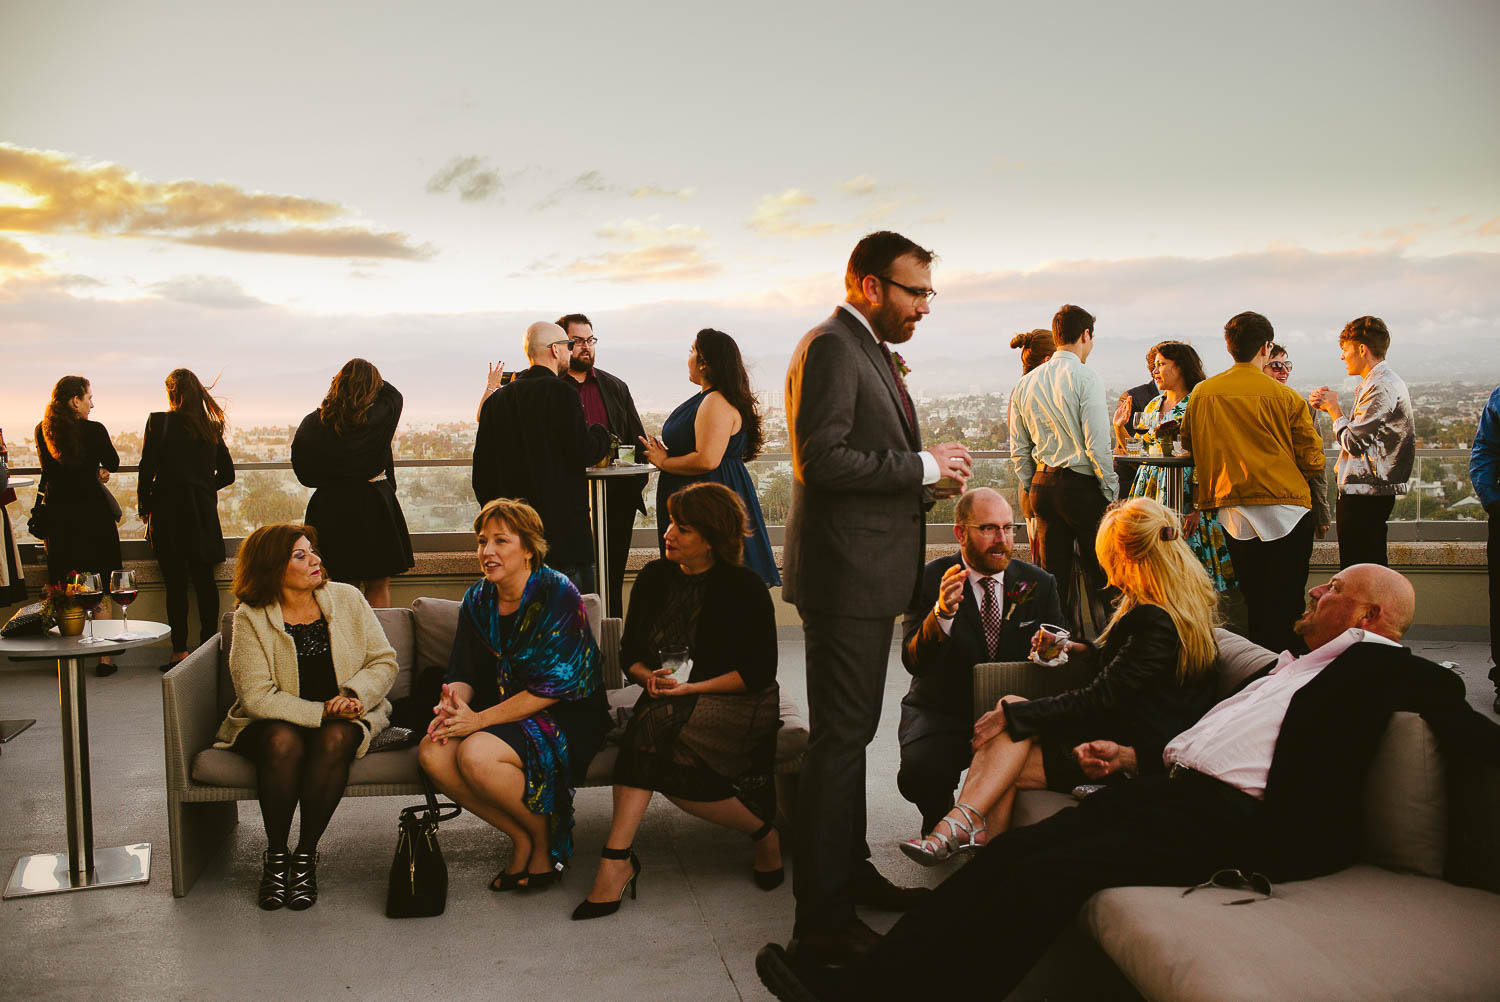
(316,679)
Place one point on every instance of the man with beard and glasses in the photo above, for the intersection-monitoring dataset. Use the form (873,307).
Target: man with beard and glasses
(1271,781)
(1060,447)
(606,401)
(853,560)
(978,605)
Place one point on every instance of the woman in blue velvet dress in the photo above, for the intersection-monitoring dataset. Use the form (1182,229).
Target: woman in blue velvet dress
(711,436)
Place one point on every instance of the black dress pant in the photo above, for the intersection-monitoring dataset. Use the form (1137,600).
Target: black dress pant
(1492,554)
(620,523)
(176,572)
(932,760)
(1362,526)
(1068,506)
(991,921)
(847,660)
(1272,576)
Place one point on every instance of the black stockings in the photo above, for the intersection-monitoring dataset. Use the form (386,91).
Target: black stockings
(299,765)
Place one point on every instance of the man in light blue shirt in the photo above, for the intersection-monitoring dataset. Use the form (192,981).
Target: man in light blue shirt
(1060,446)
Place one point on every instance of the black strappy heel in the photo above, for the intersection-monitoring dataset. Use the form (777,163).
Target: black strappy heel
(598,909)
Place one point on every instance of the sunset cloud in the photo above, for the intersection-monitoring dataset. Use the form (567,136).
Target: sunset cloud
(103,200)
(1491,228)
(862,184)
(473,178)
(650,231)
(657,263)
(777,215)
(15,256)
(588,183)
(214,291)
(656,191)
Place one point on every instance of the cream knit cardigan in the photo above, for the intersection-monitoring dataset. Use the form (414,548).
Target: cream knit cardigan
(263,665)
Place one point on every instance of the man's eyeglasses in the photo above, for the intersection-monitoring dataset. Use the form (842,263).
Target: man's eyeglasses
(589,341)
(1236,880)
(569,343)
(990,528)
(923,294)
(1280,366)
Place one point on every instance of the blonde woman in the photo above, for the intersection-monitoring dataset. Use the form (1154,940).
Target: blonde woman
(1156,656)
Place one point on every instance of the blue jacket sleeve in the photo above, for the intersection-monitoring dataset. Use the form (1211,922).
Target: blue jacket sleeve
(1484,460)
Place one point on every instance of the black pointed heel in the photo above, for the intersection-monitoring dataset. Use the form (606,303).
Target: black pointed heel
(767,880)
(272,893)
(598,909)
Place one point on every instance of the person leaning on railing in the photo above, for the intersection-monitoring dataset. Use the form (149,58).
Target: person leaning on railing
(523,709)
(311,667)
(708,742)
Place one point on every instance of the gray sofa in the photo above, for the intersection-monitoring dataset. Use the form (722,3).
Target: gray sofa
(1417,918)
(205,784)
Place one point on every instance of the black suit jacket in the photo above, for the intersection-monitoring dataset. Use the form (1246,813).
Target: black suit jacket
(942,664)
(854,531)
(533,444)
(625,422)
(1329,736)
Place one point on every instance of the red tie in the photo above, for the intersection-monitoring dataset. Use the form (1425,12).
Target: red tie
(911,415)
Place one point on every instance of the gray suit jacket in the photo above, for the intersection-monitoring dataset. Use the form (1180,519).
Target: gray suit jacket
(855,528)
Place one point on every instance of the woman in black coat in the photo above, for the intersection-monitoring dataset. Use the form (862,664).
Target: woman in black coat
(343,449)
(184,463)
(77,459)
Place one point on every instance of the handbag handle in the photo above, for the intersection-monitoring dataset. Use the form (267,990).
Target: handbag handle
(436,812)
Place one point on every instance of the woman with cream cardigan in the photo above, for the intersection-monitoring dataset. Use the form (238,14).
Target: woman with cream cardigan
(311,668)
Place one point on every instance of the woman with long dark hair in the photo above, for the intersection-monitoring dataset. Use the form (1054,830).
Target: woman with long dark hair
(343,449)
(711,436)
(77,459)
(184,464)
(1036,346)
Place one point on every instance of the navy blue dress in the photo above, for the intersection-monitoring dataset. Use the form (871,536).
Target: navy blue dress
(680,440)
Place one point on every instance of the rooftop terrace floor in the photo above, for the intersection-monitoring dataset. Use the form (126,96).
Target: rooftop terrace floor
(692,935)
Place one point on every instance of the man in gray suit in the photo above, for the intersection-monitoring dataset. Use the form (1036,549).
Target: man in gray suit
(853,560)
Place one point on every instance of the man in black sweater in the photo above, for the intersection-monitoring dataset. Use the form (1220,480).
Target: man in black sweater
(1269,780)
(533,444)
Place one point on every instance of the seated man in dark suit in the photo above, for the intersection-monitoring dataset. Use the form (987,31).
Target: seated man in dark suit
(951,628)
(1266,781)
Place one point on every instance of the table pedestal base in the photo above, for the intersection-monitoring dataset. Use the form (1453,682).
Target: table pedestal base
(10,728)
(48,872)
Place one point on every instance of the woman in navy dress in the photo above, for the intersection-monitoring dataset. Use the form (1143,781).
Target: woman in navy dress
(710,437)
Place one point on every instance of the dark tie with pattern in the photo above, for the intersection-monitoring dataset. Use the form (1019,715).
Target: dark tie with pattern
(911,415)
(989,613)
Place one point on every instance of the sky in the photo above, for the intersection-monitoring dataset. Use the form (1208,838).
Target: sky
(261,192)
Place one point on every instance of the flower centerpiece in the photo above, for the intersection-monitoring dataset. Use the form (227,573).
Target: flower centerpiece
(61,608)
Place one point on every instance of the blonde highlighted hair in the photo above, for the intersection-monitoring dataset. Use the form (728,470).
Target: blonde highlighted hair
(521,519)
(1141,549)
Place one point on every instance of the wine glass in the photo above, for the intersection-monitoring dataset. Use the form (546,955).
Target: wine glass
(123,590)
(88,591)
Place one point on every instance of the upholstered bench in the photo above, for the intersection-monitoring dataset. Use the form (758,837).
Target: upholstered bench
(205,784)
(1418,917)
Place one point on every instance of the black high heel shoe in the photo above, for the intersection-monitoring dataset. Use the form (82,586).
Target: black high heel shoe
(598,909)
(272,893)
(767,880)
(302,881)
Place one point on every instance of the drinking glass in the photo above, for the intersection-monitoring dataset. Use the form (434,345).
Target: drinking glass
(88,592)
(674,658)
(1138,421)
(123,590)
(1051,648)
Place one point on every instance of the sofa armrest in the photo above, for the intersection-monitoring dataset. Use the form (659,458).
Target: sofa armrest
(995,679)
(610,631)
(190,712)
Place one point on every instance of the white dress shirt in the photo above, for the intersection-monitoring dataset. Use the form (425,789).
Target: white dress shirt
(1266,522)
(1058,418)
(946,625)
(1235,740)
(930,472)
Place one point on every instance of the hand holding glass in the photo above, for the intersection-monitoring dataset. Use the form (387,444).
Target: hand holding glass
(1050,646)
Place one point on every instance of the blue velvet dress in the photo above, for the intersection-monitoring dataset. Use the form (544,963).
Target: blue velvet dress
(679,436)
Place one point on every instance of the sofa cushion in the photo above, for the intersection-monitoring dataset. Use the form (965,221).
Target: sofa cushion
(1406,799)
(1038,805)
(1362,933)
(1239,658)
(223,767)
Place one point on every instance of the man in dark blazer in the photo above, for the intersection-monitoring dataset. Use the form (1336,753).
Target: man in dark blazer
(1269,781)
(952,627)
(533,444)
(853,557)
(607,401)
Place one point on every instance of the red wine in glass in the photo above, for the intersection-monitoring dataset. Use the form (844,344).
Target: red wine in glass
(89,594)
(122,588)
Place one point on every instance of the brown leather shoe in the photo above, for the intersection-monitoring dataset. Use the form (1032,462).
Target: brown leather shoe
(834,949)
(872,890)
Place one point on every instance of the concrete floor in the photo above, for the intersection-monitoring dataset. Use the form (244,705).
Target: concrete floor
(692,935)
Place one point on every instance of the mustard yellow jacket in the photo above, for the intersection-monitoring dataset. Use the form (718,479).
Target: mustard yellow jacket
(1252,441)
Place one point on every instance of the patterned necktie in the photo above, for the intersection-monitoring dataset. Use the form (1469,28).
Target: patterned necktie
(911,415)
(989,613)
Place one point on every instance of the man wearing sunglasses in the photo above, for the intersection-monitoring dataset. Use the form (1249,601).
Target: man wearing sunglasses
(1270,782)
(534,444)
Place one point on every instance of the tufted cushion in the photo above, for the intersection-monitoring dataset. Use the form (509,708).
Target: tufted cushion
(223,767)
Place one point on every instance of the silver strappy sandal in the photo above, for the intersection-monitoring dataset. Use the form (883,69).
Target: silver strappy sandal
(961,837)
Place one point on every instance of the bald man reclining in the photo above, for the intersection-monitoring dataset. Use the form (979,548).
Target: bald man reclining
(1269,782)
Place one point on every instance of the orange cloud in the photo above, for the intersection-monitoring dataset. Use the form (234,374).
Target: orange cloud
(777,215)
(15,256)
(1491,228)
(110,200)
(657,263)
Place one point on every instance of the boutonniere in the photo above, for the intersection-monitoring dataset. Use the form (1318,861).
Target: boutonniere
(1016,596)
(901,365)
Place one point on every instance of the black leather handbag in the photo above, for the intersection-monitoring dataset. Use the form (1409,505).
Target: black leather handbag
(419,878)
(37,523)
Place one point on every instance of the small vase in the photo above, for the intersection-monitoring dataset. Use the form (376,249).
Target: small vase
(70,621)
